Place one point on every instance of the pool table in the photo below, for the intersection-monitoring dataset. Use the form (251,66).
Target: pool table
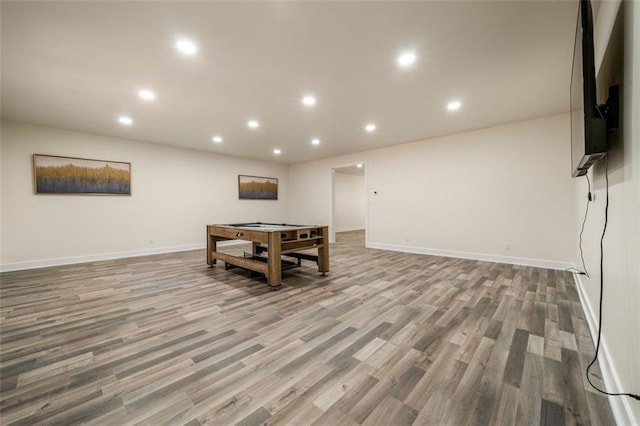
(274,239)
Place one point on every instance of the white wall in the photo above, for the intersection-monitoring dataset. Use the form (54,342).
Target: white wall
(466,195)
(349,202)
(620,348)
(175,193)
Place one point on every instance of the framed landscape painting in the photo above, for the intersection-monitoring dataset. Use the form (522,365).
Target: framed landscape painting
(257,188)
(69,175)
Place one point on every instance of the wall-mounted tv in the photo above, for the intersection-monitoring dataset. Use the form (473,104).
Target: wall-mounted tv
(588,125)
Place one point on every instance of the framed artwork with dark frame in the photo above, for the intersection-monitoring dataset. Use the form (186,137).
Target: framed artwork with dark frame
(54,174)
(257,188)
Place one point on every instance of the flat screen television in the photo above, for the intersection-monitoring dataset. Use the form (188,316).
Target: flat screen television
(588,125)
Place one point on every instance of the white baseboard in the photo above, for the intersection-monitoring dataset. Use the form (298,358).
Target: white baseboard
(350,228)
(620,406)
(34,264)
(539,263)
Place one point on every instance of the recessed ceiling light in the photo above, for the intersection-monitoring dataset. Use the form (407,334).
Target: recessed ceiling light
(406,59)
(186,47)
(454,105)
(124,120)
(253,124)
(370,127)
(217,139)
(359,165)
(147,95)
(309,100)
(277,151)
(315,141)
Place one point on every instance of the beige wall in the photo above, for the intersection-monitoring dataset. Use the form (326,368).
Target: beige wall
(175,193)
(620,347)
(467,195)
(349,201)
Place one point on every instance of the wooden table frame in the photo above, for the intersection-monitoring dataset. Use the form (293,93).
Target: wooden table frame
(278,239)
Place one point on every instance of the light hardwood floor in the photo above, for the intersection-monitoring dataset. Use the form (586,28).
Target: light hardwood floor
(385,339)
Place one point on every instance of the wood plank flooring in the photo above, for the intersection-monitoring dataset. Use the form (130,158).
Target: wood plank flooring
(385,339)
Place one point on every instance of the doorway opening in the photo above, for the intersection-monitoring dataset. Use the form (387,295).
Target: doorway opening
(349,204)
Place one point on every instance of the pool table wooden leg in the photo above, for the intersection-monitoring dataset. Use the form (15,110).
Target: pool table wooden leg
(211,248)
(323,252)
(274,274)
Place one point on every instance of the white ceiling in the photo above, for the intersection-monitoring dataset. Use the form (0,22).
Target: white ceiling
(79,65)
